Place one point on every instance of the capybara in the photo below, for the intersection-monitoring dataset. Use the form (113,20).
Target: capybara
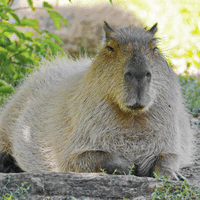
(122,107)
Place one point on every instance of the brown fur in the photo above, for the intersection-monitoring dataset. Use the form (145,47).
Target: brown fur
(123,107)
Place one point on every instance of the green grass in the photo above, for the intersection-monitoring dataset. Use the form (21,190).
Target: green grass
(17,193)
(178,192)
(191,91)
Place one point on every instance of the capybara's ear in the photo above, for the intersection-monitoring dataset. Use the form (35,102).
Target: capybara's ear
(153,29)
(108,29)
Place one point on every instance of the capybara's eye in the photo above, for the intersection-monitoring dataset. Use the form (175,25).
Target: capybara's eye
(110,48)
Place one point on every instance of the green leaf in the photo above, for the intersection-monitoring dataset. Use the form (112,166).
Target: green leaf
(37,48)
(55,47)
(54,16)
(29,22)
(4,43)
(30,2)
(5,2)
(7,40)
(2,49)
(38,31)
(23,59)
(16,18)
(37,40)
(47,5)
(4,16)
(30,47)
(19,34)
(3,56)
(28,39)
(46,31)
(48,41)
(63,19)
(6,8)
(12,48)
(7,27)
(56,37)
(6,89)
(110,1)
(2,83)
(29,34)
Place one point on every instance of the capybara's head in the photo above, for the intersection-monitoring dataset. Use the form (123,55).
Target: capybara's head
(125,67)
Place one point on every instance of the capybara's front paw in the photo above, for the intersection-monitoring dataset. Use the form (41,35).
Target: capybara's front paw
(168,165)
(171,174)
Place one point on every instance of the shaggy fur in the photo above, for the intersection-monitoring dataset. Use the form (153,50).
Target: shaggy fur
(122,107)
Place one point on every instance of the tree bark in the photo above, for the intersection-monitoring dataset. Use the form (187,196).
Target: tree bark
(70,186)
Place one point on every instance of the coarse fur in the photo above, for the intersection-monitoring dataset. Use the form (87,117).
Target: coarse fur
(122,107)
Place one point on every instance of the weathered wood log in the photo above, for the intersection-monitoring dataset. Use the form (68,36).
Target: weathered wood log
(81,186)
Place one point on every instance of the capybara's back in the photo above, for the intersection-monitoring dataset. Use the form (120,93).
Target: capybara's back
(122,107)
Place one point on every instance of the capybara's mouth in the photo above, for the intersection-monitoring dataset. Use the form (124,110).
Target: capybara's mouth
(136,106)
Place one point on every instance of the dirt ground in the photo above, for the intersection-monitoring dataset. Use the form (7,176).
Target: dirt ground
(192,173)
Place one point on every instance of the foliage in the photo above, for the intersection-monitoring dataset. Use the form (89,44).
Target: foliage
(191,91)
(18,193)
(169,191)
(131,170)
(104,171)
(20,56)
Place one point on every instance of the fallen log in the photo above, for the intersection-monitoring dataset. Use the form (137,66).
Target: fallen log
(80,186)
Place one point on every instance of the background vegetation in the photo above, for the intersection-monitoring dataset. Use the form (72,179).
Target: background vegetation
(19,57)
